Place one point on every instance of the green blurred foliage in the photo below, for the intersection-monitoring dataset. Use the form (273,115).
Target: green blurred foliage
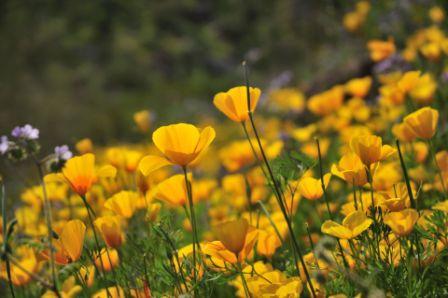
(81,68)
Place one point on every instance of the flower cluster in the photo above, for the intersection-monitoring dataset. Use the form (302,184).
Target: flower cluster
(339,193)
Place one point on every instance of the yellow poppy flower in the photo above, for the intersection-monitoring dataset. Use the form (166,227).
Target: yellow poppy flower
(123,203)
(311,188)
(431,50)
(204,188)
(69,289)
(305,133)
(386,175)
(442,206)
(267,243)
(109,258)
(232,234)
(233,103)
(181,144)
(237,155)
(310,148)
(111,292)
(131,160)
(402,222)
(351,169)
(423,122)
(70,242)
(423,91)
(442,160)
(81,174)
(173,190)
(326,102)
(110,229)
(84,146)
(143,120)
(403,132)
(359,87)
(353,20)
(408,81)
(291,287)
(369,148)
(392,94)
(395,204)
(436,14)
(380,50)
(236,240)
(353,224)
(287,100)
(87,274)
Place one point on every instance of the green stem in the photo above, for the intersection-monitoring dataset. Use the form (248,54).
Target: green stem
(114,274)
(8,272)
(324,189)
(439,171)
(5,241)
(174,251)
(312,245)
(295,245)
(248,198)
(243,280)
(193,225)
(48,219)
(354,195)
(31,274)
(406,177)
(254,152)
(376,239)
(263,208)
(121,257)
(97,243)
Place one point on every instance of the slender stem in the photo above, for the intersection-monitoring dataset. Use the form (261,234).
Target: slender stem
(354,195)
(92,226)
(8,272)
(253,149)
(48,219)
(312,245)
(406,177)
(5,241)
(248,198)
(372,195)
(295,245)
(324,189)
(243,280)
(376,239)
(31,274)
(174,251)
(263,208)
(114,274)
(121,257)
(193,225)
(90,212)
(439,171)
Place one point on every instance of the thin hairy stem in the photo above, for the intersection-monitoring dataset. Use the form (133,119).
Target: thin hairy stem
(278,194)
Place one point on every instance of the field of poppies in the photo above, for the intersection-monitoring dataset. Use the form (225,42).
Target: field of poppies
(338,193)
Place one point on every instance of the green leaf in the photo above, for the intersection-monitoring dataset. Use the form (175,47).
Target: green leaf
(289,165)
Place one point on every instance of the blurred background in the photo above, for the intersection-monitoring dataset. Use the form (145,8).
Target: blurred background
(78,69)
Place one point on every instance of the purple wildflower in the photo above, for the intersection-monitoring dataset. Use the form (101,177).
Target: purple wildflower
(63,152)
(26,132)
(4,145)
